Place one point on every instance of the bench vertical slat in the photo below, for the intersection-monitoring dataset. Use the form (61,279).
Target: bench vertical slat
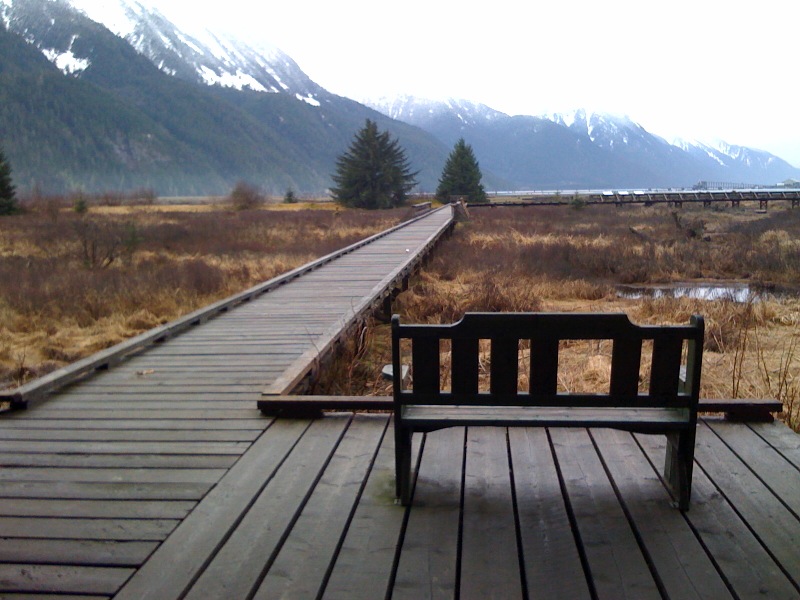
(544,365)
(465,366)
(425,360)
(505,365)
(626,358)
(666,366)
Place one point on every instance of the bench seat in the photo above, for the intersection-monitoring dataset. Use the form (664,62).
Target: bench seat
(642,420)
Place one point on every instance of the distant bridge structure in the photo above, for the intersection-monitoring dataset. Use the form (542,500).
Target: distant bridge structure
(650,198)
(724,185)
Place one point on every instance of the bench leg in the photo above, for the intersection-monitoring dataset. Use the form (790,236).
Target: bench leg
(402,458)
(678,466)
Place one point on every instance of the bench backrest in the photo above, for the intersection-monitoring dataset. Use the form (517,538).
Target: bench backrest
(671,383)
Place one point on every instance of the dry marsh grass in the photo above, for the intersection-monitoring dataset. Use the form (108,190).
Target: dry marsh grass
(72,284)
(560,259)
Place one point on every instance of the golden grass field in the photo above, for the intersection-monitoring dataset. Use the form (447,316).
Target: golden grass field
(562,259)
(73,284)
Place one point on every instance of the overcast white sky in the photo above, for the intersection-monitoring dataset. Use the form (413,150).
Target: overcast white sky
(700,69)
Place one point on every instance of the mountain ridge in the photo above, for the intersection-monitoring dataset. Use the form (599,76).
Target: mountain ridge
(605,150)
(139,102)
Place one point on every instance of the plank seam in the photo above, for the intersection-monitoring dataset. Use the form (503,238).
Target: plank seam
(648,558)
(351,515)
(404,526)
(462,497)
(517,525)
(753,471)
(695,531)
(774,447)
(750,528)
(573,521)
(295,517)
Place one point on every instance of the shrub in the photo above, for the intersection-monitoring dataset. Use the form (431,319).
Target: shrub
(246,196)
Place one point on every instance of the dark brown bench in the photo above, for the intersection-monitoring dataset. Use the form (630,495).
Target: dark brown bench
(669,406)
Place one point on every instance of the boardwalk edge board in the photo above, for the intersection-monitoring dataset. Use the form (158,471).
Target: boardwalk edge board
(19,397)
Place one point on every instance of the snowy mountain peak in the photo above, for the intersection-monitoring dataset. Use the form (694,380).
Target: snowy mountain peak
(412,109)
(192,54)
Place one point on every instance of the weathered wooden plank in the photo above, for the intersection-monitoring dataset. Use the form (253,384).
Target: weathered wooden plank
(100,475)
(87,404)
(684,569)
(181,558)
(551,558)
(109,491)
(173,412)
(130,435)
(489,554)
(104,509)
(777,473)
(124,447)
(617,566)
(98,553)
(286,405)
(302,565)
(96,529)
(239,566)
(62,579)
(365,564)
(85,421)
(118,461)
(428,559)
(744,563)
(770,520)
(780,437)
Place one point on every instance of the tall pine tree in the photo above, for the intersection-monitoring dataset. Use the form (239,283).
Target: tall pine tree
(8,199)
(374,172)
(461,176)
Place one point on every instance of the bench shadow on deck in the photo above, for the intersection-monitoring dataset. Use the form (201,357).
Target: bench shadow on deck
(309,511)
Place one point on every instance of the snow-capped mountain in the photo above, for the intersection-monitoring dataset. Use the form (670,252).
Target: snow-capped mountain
(415,110)
(729,156)
(201,55)
(582,148)
(197,55)
(151,105)
(605,130)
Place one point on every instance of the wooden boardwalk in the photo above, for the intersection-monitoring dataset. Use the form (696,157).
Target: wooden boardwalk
(219,502)
(160,479)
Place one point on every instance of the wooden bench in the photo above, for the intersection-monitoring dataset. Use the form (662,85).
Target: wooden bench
(669,406)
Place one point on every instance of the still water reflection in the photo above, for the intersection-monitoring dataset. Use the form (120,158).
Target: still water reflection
(732,292)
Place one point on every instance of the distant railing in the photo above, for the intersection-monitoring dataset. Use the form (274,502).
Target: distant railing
(421,208)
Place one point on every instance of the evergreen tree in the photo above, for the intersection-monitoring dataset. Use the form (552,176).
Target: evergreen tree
(374,172)
(8,199)
(461,176)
